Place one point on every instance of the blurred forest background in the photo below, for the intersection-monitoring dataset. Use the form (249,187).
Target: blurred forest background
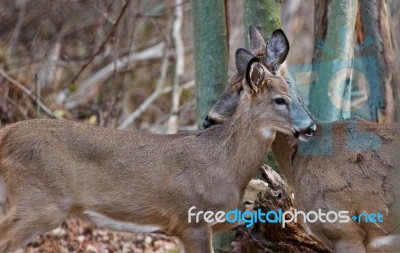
(121,64)
(112,63)
(87,60)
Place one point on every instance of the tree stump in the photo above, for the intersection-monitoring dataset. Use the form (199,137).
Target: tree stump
(271,237)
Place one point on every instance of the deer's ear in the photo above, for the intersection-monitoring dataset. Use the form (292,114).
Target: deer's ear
(242,58)
(255,75)
(277,50)
(257,42)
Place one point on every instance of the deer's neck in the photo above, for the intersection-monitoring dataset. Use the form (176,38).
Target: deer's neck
(284,149)
(246,142)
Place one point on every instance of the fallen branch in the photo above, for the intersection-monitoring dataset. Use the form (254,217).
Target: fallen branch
(29,94)
(16,105)
(152,97)
(86,90)
(133,116)
(154,127)
(121,14)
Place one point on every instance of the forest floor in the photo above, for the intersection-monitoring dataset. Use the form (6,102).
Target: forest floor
(79,236)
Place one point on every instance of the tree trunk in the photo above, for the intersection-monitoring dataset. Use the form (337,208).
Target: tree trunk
(375,33)
(211,65)
(210,53)
(264,14)
(332,61)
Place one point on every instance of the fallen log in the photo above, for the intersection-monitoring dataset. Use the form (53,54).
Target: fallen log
(272,237)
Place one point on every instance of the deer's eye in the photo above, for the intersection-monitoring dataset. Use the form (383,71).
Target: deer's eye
(280,101)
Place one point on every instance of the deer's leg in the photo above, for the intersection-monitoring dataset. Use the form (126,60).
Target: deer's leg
(197,239)
(20,226)
(344,246)
(347,237)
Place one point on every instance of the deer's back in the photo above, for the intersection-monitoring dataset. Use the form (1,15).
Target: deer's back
(358,175)
(88,166)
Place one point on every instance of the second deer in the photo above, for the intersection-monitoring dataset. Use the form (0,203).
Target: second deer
(350,165)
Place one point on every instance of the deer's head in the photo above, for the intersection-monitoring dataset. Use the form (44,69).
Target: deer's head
(259,72)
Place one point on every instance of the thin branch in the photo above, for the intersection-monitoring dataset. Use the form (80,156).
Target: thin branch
(157,124)
(83,93)
(179,66)
(16,105)
(158,92)
(152,97)
(103,44)
(190,128)
(18,26)
(29,93)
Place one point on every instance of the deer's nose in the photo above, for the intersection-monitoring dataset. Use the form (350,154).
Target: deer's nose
(208,122)
(311,129)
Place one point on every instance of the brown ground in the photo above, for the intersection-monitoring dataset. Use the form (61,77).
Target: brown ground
(81,236)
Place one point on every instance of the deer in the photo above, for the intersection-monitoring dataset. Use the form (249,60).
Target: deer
(348,165)
(141,182)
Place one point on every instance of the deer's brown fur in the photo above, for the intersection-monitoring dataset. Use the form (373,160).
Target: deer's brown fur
(137,181)
(358,180)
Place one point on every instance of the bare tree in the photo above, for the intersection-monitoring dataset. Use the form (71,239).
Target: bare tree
(211,52)
(333,53)
(375,31)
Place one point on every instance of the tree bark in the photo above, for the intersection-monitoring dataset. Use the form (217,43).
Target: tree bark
(332,61)
(210,53)
(211,66)
(376,33)
(264,14)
